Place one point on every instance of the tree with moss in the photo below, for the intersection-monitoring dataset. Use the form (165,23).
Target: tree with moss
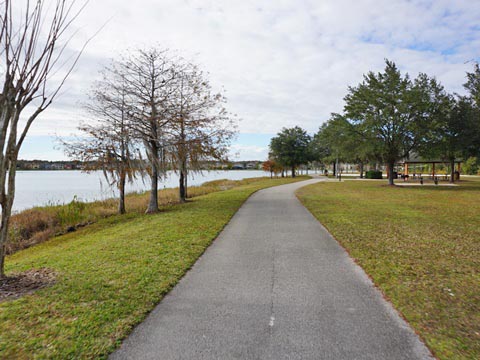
(107,142)
(200,128)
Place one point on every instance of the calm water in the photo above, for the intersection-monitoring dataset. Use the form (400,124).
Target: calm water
(36,188)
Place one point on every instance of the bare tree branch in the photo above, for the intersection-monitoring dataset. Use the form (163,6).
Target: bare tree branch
(30,50)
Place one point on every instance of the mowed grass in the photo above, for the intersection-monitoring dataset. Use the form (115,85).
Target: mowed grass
(420,245)
(110,275)
(36,225)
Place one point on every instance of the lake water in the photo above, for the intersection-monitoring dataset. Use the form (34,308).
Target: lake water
(37,188)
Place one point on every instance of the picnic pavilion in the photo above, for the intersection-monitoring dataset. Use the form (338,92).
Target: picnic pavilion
(413,167)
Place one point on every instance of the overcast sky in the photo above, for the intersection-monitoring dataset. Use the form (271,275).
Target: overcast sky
(283,63)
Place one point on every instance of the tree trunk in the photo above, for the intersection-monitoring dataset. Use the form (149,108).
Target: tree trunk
(271,174)
(182,152)
(452,171)
(293,171)
(121,189)
(3,241)
(153,202)
(334,168)
(181,187)
(283,173)
(6,204)
(391,164)
(185,180)
(361,170)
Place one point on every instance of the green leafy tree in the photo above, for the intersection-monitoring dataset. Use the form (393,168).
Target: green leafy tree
(326,145)
(453,134)
(290,148)
(341,140)
(393,113)
(319,149)
(473,84)
(473,87)
(471,166)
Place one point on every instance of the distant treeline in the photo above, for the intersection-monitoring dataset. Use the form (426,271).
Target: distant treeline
(80,165)
(49,165)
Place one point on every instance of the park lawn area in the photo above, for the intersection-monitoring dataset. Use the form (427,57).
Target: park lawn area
(110,275)
(421,247)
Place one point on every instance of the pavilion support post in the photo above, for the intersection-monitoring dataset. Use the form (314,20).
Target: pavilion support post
(452,171)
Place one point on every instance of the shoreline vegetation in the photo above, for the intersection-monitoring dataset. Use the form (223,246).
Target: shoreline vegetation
(111,274)
(40,223)
(420,246)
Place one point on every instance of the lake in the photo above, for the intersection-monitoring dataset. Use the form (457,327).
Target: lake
(37,188)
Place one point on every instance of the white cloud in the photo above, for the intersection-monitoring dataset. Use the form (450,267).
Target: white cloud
(283,63)
(248,152)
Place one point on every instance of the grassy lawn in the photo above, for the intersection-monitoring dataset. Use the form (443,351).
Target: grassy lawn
(36,225)
(110,275)
(421,246)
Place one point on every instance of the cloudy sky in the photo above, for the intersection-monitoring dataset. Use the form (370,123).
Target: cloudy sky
(283,63)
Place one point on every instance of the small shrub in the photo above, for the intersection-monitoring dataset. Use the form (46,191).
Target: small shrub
(373,174)
(470,167)
(73,212)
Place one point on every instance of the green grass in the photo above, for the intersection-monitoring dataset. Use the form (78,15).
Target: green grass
(36,225)
(110,275)
(421,246)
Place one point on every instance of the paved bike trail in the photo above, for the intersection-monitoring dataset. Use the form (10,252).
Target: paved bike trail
(274,285)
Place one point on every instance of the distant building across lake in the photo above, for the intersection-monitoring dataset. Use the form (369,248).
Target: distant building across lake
(246,165)
(48,165)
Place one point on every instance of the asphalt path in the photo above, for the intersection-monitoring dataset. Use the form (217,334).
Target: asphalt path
(274,285)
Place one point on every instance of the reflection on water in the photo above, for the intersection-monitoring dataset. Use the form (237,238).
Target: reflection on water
(36,188)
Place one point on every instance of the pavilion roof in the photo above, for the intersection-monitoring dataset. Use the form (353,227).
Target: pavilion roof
(416,159)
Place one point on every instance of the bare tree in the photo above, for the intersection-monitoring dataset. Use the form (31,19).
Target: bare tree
(32,48)
(150,75)
(108,144)
(200,128)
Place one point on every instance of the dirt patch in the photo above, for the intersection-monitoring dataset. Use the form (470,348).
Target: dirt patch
(27,282)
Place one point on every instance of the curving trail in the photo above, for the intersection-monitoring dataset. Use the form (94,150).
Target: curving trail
(274,285)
